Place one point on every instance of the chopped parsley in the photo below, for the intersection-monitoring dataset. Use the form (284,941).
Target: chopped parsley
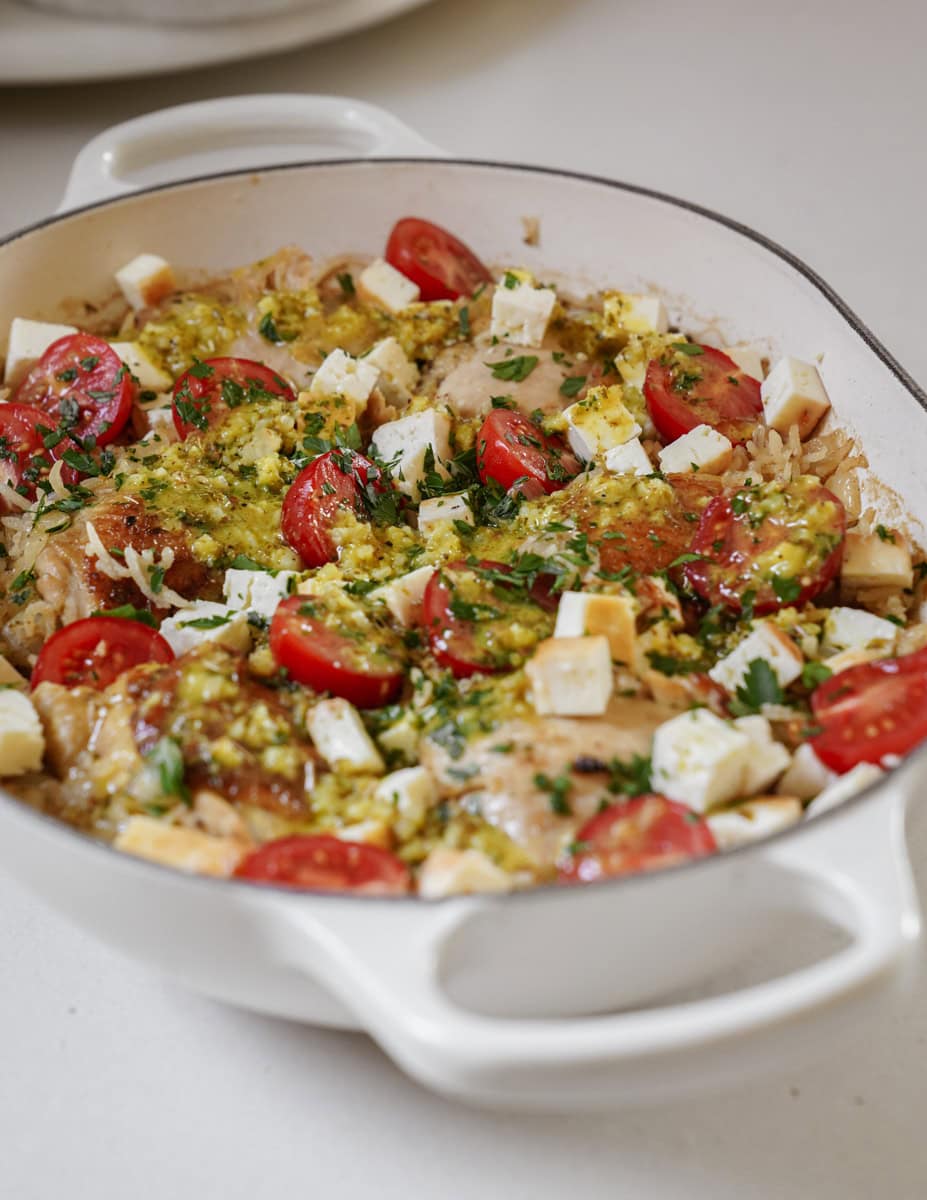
(786,587)
(514,370)
(267,328)
(167,758)
(813,673)
(572,385)
(128,612)
(558,791)
(760,686)
(346,283)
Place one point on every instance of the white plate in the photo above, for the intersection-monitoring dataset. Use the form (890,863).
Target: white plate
(40,47)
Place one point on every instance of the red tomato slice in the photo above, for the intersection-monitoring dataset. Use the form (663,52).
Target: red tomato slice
(685,389)
(204,394)
(871,710)
(322,863)
(81,384)
(642,834)
(21,449)
(442,266)
(335,480)
(751,542)
(510,449)
(95,651)
(319,649)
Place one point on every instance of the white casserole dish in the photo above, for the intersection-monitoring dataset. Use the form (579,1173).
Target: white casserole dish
(557,997)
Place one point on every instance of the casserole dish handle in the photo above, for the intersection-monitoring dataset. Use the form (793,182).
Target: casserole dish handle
(234,133)
(386,966)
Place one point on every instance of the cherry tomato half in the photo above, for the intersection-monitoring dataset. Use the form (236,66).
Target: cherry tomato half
(320,649)
(442,266)
(81,383)
(871,710)
(326,864)
(95,651)
(470,612)
(335,480)
(509,448)
(22,454)
(776,544)
(639,835)
(701,386)
(204,394)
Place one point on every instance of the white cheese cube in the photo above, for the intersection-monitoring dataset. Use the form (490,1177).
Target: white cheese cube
(634,313)
(793,394)
(384,285)
(748,358)
(342,375)
(186,849)
(390,359)
(873,561)
(701,449)
(151,378)
(27,343)
(339,735)
(845,787)
(160,418)
(204,622)
(765,641)
(767,758)
(754,820)
(404,446)
(412,792)
(587,614)
(447,872)
(454,506)
(403,596)
(146,280)
(856,629)
(700,760)
(520,314)
(571,677)
(630,458)
(22,741)
(258,591)
(599,422)
(806,775)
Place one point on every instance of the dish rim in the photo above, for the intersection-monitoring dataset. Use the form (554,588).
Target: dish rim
(645,878)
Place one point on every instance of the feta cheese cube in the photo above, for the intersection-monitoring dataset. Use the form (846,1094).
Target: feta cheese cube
(404,446)
(258,591)
(700,760)
(701,449)
(382,284)
(342,375)
(447,872)
(767,758)
(793,394)
(28,341)
(630,458)
(634,313)
(203,622)
(146,280)
(451,507)
(806,774)
(748,358)
(390,359)
(599,422)
(520,314)
(175,846)
(845,787)
(571,677)
(403,596)
(872,561)
(339,735)
(582,614)
(765,641)
(754,820)
(22,740)
(857,629)
(160,418)
(412,792)
(150,376)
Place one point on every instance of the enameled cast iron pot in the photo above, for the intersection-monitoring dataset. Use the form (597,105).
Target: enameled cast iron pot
(553,998)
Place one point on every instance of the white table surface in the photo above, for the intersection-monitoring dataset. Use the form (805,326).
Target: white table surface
(802,118)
